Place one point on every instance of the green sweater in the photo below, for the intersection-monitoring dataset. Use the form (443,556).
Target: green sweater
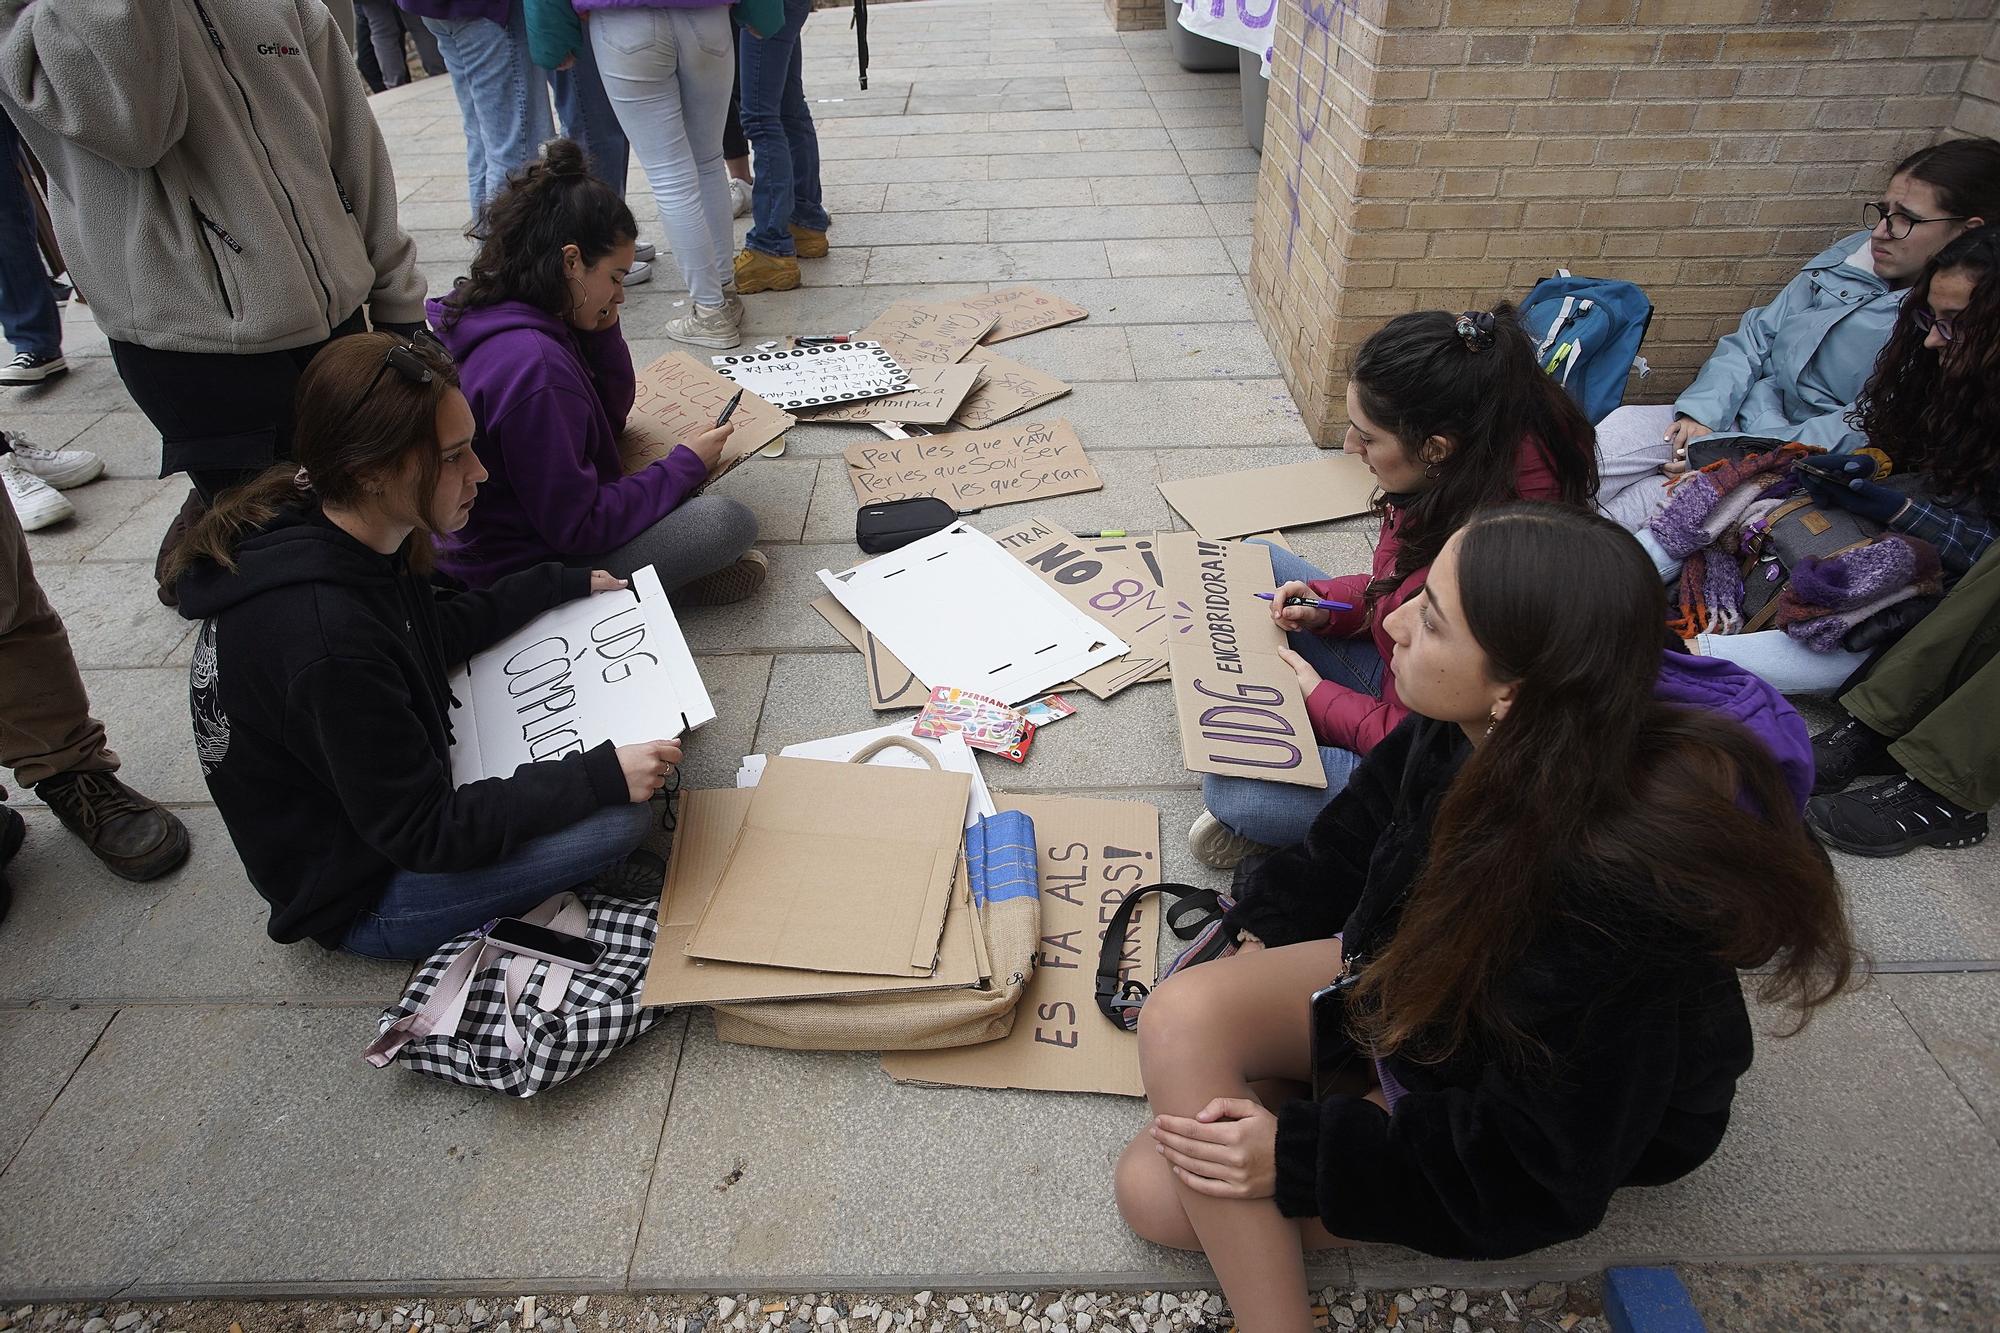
(555,33)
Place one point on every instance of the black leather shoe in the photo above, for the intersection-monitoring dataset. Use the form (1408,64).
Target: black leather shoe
(1893,817)
(1849,751)
(136,838)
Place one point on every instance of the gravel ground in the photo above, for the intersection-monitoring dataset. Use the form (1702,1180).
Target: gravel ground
(1816,1298)
(1547,1307)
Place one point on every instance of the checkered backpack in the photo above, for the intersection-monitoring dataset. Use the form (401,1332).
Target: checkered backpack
(467,1015)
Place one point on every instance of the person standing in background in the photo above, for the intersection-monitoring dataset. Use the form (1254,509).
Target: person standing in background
(503,98)
(385,34)
(788,222)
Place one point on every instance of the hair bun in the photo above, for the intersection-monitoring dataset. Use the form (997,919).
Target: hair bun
(1475,329)
(564,158)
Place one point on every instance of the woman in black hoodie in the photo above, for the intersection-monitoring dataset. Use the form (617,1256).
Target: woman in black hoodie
(321,709)
(1534,895)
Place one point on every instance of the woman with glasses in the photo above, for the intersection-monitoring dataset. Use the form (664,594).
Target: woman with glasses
(319,687)
(1793,369)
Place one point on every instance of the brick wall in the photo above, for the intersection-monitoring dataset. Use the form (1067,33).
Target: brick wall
(1135,15)
(1448,153)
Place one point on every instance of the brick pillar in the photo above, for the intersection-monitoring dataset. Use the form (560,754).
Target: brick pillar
(1448,153)
(1136,15)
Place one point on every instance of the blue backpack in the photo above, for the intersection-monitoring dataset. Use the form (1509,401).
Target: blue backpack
(1587,333)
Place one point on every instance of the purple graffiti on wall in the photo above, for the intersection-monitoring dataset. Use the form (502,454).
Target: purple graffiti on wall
(1326,24)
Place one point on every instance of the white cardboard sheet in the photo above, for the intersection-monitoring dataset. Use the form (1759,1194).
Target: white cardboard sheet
(816,376)
(958,610)
(611,666)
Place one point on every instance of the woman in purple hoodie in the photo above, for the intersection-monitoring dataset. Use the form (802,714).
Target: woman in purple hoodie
(535,333)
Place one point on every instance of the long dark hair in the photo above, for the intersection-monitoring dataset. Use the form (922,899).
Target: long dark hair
(545,206)
(1418,377)
(1589,779)
(1939,412)
(1964,172)
(347,438)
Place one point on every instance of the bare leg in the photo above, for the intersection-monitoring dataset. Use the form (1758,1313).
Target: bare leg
(1216,1031)
(739,167)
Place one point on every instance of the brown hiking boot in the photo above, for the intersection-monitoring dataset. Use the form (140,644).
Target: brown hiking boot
(731,583)
(759,272)
(810,244)
(135,837)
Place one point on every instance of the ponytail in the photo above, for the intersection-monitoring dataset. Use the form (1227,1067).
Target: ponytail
(236,514)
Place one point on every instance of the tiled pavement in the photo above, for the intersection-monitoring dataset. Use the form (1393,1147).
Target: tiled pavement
(183,1107)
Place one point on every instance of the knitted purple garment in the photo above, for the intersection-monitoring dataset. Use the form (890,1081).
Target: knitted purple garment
(1828,597)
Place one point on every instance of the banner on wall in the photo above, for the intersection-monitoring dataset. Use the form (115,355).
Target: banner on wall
(1248,25)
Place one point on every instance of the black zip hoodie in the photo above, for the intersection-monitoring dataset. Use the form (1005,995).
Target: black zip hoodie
(322,719)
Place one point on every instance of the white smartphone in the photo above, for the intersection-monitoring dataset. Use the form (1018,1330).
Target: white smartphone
(556,946)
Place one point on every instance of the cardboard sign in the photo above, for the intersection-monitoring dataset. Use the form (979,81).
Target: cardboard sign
(1023,310)
(1115,594)
(937,394)
(890,683)
(815,376)
(959,610)
(864,894)
(1241,710)
(973,469)
(1090,854)
(710,823)
(612,666)
(917,334)
(951,752)
(1234,504)
(1006,388)
(677,398)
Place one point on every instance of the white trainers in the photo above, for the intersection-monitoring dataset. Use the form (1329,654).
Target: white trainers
(60,468)
(708,326)
(739,197)
(1214,843)
(643,251)
(35,501)
(641,271)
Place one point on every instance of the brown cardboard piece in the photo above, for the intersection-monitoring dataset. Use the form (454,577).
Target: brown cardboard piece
(677,398)
(866,893)
(938,334)
(1023,310)
(1090,854)
(710,822)
(1006,388)
(1235,504)
(938,393)
(890,683)
(971,470)
(1241,710)
(1111,590)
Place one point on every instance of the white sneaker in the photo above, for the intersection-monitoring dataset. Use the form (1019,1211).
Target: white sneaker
(60,468)
(643,251)
(35,501)
(1214,843)
(708,326)
(641,271)
(731,299)
(739,197)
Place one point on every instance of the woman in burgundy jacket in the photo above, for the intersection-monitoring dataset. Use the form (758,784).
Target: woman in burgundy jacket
(1450,412)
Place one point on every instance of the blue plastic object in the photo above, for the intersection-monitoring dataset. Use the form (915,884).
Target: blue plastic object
(1587,333)
(1649,1300)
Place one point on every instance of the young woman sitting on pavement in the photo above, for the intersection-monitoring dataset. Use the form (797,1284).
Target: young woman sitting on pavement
(1538,1005)
(1932,407)
(319,685)
(1450,412)
(1793,368)
(536,335)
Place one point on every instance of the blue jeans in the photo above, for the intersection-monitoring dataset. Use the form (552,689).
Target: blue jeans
(587,117)
(1278,814)
(779,126)
(503,98)
(27,306)
(418,912)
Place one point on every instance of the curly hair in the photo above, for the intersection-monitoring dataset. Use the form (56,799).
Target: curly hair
(547,205)
(1939,412)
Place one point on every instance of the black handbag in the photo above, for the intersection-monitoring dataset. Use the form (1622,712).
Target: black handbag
(896,523)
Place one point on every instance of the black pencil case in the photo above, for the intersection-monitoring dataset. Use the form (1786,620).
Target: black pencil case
(897,523)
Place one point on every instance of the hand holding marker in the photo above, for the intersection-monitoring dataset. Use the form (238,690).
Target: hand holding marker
(1322,603)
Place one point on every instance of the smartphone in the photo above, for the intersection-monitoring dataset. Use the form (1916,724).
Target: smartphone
(729,408)
(557,946)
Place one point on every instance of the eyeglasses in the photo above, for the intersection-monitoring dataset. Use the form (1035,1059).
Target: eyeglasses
(404,360)
(1927,319)
(1900,223)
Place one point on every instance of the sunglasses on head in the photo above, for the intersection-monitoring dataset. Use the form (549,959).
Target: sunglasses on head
(405,361)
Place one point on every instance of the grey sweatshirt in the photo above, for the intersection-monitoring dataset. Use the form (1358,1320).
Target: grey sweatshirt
(216,178)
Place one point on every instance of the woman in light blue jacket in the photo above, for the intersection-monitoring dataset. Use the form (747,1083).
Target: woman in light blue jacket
(1793,368)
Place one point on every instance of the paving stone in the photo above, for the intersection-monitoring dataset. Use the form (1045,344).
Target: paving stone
(1074,353)
(1230,219)
(912,228)
(808,1196)
(1110,97)
(1017,261)
(1187,300)
(1055,99)
(777,490)
(736,686)
(1204,136)
(1158,258)
(137,536)
(1926,906)
(1187,414)
(1055,192)
(112,612)
(914,169)
(77,934)
(852,198)
(1200,351)
(126,440)
(909,126)
(1122,221)
(1089,121)
(1020,160)
(39,1050)
(1958,1020)
(1143,190)
(254,1103)
(145,716)
(776,619)
(52,428)
(92,382)
(1234,188)
(958,145)
(101,508)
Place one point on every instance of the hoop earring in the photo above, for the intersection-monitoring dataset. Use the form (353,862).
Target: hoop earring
(1493,716)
